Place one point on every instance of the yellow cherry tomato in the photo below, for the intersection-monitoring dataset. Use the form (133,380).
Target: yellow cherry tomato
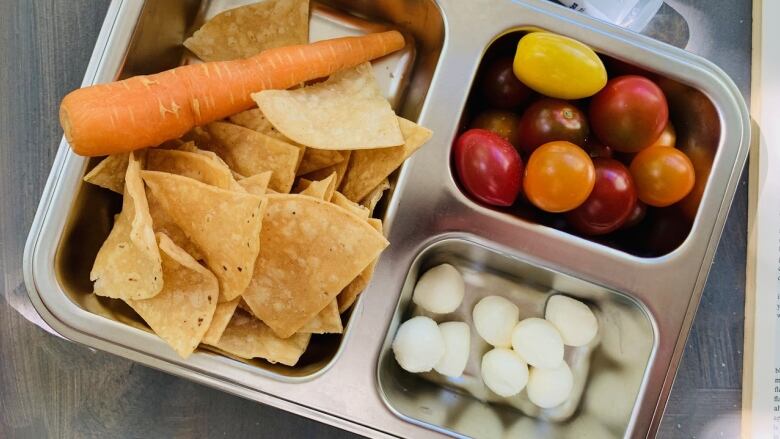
(558,66)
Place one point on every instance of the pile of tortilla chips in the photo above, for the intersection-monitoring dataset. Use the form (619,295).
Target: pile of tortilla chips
(251,234)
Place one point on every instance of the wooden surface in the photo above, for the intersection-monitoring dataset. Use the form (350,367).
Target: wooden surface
(53,388)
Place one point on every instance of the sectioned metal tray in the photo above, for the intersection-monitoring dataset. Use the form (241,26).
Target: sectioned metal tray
(343,382)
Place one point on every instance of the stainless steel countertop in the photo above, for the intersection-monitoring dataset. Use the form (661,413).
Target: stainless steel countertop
(50,387)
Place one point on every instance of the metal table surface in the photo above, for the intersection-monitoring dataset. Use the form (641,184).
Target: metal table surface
(50,387)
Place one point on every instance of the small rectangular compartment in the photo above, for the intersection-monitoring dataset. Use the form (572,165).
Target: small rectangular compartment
(608,373)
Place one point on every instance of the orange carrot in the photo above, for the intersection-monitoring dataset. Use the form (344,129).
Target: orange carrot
(147,110)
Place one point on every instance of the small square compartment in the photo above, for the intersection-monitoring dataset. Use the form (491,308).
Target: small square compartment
(608,374)
(697,124)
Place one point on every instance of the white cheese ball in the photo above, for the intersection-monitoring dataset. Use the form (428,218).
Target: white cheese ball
(575,321)
(418,344)
(538,342)
(439,290)
(548,388)
(504,372)
(494,319)
(457,344)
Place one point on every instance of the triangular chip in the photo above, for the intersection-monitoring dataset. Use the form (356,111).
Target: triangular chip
(339,169)
(110,173)
(181,313)
(222,315)
(349,294)
(248,30)
(193,165)
(163,223)
(248,337)
(368,167)
(310,250)
(225,225)
(249,152)
(128,265)
(372,199)
(316,159)
(328,321)
(347,111)
(256,184)
(322,189)
(340,200)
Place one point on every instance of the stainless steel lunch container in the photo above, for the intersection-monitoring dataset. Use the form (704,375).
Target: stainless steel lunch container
(646,305)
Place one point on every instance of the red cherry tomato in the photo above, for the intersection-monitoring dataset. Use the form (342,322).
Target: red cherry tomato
(559,177)
(503,123)
(488,167)
(663,175)
(548,120)
(637,215)
(500,87)
(610,203)
(629,113)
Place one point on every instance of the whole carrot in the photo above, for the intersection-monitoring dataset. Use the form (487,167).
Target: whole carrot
(147,110)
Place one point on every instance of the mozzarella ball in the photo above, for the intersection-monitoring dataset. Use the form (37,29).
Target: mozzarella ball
(504,372)
(575,321)
(549,388)
(439,290)
(418,344)
(457,344)
(538,342)
(494,319)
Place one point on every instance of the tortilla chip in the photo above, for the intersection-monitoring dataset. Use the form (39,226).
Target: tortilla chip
(368,167)
(322,189)
(310,250)
(181,313)
(372,199)
(128,264)
(110,173)
(328,321)
(339,168)
(356,209)
(222,315)
(254,120)
(349,294)
(248,30)
(248,337)
(249,152)
(163,223)
(225,225)
(193,165)
(256,184)
(345,112)
(316,159)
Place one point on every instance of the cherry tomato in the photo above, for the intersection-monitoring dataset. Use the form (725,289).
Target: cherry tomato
(663,175)
(668,136)
(611,202)
(488,167)
(558,66)
(500,87)
(503,123)
(637,215)
(559,177)
(629,114)
(548,120)
(597,149)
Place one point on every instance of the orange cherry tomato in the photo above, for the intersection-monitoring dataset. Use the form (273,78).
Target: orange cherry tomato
(663,175)
(668,137)
(559,177)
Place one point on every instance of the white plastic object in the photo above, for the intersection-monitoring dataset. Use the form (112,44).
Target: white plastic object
(494,319)
(504,372)
(573,319)
(440,290)
(548,388)
(538,342)
(457,345)
(418,344)
(631,14)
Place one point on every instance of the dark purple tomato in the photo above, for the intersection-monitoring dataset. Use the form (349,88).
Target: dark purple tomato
(488,167)
(609,204)
(637,215)
(500,87)
(629,113)
(503,123)
(596,149)
(548,120)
